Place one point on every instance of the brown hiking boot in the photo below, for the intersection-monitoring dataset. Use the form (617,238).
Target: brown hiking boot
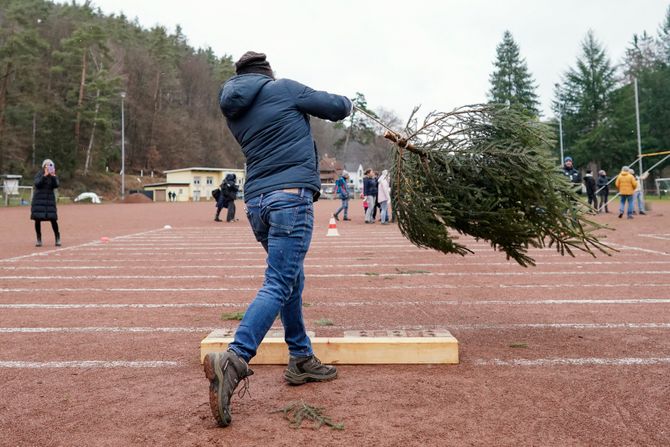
(308,369)
(225,370)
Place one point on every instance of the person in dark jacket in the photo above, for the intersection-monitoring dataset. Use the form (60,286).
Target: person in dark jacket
(572,174)
(43,205)
(603,191)
(270,119)
(590,184)
(220,202)
(229,193)
(370,192)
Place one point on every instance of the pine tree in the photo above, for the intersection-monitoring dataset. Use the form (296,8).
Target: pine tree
(642,55)
(584,97)
(664,38)
(511,83)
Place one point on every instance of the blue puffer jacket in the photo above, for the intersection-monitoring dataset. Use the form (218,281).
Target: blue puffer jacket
(269,118)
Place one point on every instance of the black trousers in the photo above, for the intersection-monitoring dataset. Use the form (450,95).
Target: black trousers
(38,228)
(603,202)
(231,211)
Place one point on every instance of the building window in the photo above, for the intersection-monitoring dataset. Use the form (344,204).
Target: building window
(210,180)
(196,180)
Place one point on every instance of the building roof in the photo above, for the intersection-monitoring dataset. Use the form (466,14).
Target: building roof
(199,168)
(156,185)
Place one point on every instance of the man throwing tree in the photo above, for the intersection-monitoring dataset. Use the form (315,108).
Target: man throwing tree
(270,120)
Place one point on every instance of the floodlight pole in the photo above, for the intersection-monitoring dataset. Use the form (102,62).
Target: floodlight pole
(637,122)
(560,123)
(123,148)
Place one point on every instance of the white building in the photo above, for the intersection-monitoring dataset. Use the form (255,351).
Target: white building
(193,184)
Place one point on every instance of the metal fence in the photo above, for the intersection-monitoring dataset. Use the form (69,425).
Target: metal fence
(17,196)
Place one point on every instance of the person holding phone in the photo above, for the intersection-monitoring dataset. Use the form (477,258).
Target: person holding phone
(43,206)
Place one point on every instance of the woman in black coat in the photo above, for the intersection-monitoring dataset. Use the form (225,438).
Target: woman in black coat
(43,206)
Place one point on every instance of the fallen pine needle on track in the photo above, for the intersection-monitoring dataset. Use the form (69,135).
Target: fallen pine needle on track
(296,412)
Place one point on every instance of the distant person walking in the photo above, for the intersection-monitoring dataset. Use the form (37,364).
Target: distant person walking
(384,196)
(270,120)
(638,199)
(342,190)
(590,184)
(43,206)
(626,185)
(603,191)
(370,192)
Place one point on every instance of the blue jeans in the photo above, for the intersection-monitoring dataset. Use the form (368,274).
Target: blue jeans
(623,203)
(282,222)
(344,207)
(637,198)
(385,211)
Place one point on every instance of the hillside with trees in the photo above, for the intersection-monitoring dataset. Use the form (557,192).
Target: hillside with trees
(64,69)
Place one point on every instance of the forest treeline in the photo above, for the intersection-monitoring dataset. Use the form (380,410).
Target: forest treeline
(65,66)
(595,98)
(64,69)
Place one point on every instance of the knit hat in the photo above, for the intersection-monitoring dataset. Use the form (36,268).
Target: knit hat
(625,169)
(345,173)
(602,172)
(47,162)
(252,62)
(567,159)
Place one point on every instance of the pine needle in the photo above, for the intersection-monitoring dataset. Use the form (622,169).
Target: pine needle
(296,412)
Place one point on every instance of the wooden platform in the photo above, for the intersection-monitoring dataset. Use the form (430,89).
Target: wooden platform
(353,348)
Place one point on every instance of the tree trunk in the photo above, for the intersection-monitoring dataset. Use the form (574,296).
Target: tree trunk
(153,117)
(90,140)
(3,100)
(34,133)
(82,84)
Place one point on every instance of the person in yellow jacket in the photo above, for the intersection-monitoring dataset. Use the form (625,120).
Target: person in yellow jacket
(626,184)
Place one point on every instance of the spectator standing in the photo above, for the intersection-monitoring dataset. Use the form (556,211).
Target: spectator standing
(220,202)
(571,173)
(638,199)
(229,192)
(270,120)
(342,185)
(370,191)
(603,191)
(384,196)
(43,206)
(626,185)
(590,184)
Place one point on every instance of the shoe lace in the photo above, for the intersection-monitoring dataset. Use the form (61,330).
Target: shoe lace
(244,390)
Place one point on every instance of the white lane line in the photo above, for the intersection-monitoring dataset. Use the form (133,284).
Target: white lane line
(384,303)
(363,256)
(663,237)
(333,288)
(341,275)
(120,306)
(103,277)
(70,248)
(628,247)
(39,330)
(467,327)
(88,364)
(329,266)
(584,361)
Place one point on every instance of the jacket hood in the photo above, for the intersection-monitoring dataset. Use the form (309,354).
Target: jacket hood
(239,93)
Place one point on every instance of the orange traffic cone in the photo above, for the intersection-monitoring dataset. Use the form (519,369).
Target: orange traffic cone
(332,228)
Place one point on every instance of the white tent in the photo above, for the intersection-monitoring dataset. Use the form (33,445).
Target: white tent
(88,195)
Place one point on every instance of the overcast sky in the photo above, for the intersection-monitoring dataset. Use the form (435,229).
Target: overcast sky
(437,54)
